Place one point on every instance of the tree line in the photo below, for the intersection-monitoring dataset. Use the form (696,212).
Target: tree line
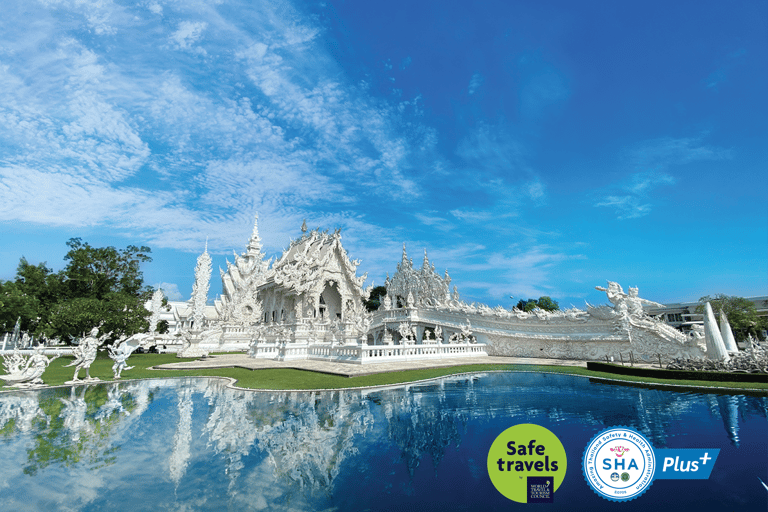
(98,286)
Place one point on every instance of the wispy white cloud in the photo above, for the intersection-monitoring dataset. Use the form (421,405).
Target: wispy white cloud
(720,75)
(650,162)
(434,221)
(475,82)
(188,33)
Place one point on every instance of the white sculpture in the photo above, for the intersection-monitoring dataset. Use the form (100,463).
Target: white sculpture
(85,354)
(362,324)
(200,288)
(727,334)
(156,304)
(26,371)
(635,303)
(387,338)
(466,333)
(190,346)
(337,332)
(715,347)
(120,352)
(407,336)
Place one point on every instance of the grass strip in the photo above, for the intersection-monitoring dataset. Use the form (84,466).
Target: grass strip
(281,379)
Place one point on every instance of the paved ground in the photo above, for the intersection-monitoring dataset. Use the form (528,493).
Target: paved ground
(355,370)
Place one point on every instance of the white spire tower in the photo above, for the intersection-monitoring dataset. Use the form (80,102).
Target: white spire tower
(254,244)
(200,288)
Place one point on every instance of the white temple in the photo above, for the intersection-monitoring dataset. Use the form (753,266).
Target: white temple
(309,304)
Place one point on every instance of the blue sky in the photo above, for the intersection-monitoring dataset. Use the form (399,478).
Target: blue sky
(532,147)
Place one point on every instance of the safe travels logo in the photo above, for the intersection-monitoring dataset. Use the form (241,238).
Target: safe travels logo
(527,464)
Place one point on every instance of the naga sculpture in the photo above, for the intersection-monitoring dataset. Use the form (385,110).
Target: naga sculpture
(26,371)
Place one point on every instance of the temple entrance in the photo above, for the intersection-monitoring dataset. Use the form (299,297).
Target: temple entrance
(330,302)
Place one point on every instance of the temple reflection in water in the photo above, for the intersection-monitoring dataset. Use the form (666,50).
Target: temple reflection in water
(196,443)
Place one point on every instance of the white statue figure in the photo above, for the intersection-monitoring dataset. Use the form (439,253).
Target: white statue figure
(337,332)
(363,324)
(438,334)
(466,333)
(406,333)
(635,303)
(119,353)
(190,349)
(615,293)
(85,354)
(387,339)
(26,372)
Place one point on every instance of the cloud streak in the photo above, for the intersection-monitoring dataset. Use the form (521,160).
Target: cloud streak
(651,161)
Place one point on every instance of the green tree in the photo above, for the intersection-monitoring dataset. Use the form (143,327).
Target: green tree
(741,314)
(17,305)
(526,305)
(374,299)
(101,284)
(41,287)
(546,303)
(97,286)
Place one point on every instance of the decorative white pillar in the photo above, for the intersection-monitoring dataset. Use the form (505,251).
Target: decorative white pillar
(715,346)
(727,333)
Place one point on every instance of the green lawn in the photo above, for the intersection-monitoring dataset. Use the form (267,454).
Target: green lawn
(56,374)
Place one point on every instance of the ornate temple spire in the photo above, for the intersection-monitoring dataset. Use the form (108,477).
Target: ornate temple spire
(405,261)
(200,288)
(426,260)
(254,244)
(304,227)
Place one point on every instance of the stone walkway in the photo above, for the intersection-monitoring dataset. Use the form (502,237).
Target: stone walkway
(354,370)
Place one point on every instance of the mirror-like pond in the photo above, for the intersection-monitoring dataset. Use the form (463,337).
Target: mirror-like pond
(193,444)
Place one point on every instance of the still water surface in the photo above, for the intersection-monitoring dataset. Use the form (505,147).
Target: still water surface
(193,444)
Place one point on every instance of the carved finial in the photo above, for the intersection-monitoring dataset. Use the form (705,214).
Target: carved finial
(426,260)
(206,244)
(304,226)
(254,244)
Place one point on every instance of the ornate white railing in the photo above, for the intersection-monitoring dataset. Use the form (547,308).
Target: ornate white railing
(366,354)
(386,353)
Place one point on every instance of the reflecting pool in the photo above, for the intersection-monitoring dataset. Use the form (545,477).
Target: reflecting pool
(194,444)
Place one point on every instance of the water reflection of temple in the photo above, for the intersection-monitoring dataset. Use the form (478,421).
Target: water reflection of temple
(298,444)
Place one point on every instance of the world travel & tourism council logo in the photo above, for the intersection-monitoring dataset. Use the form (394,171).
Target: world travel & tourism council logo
(620,464)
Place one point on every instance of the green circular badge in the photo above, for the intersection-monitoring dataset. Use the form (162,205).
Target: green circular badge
(527,463)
